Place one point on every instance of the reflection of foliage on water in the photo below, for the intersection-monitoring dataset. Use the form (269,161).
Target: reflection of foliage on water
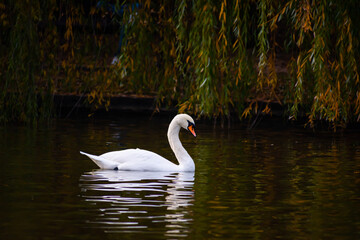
(277,184)
(210,57)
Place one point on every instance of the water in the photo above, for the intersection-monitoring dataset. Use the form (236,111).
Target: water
(265,183)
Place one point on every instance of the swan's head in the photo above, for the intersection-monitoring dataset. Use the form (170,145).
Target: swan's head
(185,121)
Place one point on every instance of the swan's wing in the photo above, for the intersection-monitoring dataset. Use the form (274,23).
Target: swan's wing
(133,160)
(102,162)
(126,155)
(140,160)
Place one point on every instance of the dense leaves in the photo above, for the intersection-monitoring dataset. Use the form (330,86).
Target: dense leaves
(211,58)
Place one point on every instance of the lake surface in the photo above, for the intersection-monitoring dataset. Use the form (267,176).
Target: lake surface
(265,183)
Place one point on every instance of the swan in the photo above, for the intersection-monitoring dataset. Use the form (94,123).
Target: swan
(143,160)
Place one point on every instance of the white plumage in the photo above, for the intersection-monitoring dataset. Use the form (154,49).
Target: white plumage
(143,160)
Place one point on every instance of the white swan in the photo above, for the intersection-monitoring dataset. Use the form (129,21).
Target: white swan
(143,160)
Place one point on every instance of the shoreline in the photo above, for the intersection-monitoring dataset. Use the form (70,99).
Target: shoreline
(73,106)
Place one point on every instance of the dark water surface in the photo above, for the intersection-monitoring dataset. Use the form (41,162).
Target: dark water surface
(267,183)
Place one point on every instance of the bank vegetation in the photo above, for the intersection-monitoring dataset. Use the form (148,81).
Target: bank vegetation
(210,58)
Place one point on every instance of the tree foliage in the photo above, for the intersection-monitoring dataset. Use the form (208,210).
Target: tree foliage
(211,58)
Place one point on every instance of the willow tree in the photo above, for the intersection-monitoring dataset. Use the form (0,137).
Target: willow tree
(324,69)
(211,58)
(196,52)
(43,47)
(226,55)
(22,64)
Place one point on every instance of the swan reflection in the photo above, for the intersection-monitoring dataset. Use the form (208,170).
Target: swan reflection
(126,201)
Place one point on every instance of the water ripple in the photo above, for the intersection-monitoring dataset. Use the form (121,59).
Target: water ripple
(124,201)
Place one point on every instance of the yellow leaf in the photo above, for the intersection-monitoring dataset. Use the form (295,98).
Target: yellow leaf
(92,11)
(234,45)
(182,107)
(221,11)
(266,110)
(147,4)
(201,53)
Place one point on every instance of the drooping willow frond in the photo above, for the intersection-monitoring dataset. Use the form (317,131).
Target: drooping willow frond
(212,58)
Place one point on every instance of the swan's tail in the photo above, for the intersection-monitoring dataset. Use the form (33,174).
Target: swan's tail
(101,162)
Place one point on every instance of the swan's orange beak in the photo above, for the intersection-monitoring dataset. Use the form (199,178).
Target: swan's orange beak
(192,130)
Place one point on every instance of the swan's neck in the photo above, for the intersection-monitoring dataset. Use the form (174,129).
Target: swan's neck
(185,161)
